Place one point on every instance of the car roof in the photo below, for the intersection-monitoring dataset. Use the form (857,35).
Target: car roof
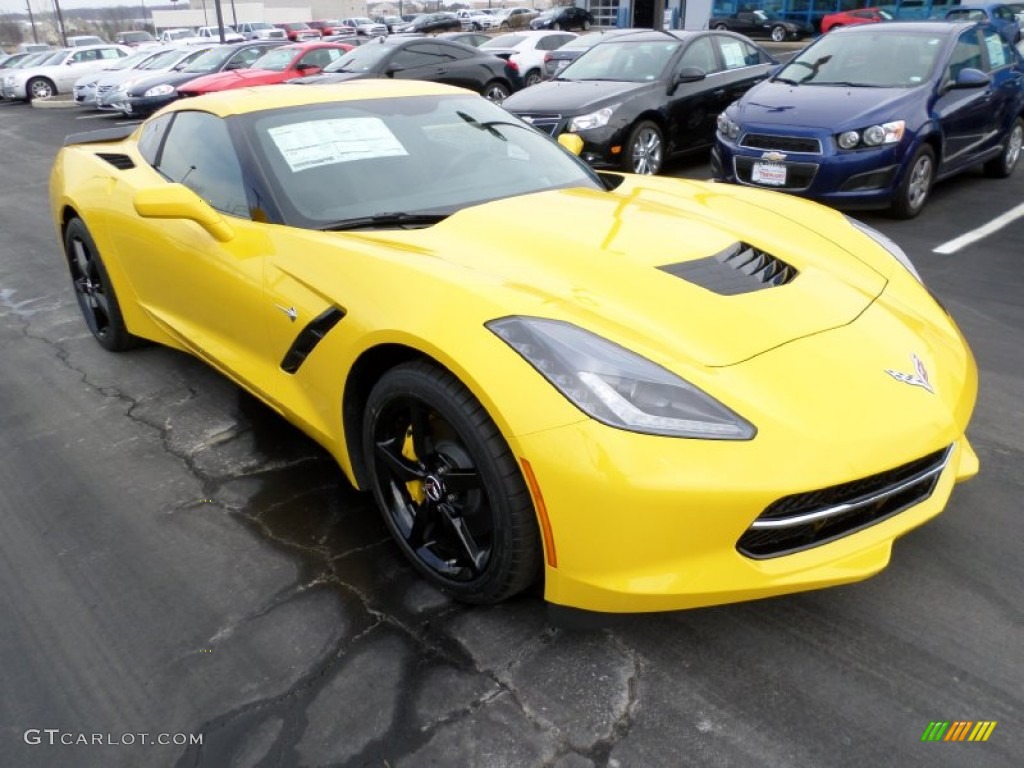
(240,101)
(944,28)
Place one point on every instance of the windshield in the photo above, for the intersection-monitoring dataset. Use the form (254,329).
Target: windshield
(362,20)
(583,42)
(878,60)
(52,58)
(504,41)
(362,59)
(626,62)
(130,62)
(276,60)
(212,60)
(162,60)
(335,164)
(260,25)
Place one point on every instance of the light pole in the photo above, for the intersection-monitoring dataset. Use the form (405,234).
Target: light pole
(60,23)
(32,21)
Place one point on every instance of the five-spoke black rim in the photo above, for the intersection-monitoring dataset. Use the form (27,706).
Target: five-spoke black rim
(431,490)
(89,291)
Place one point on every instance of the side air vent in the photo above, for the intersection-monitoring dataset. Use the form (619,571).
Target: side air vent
(740,268)
(123,162)
(309,337)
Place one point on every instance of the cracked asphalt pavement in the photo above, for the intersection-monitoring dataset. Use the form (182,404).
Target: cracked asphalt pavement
(175,559)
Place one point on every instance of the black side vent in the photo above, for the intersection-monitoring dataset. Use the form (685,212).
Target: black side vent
(123,162)
(740,268)
(309,337)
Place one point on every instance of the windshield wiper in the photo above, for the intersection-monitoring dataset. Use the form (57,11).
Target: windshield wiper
(848,84)
(383,220)
(785,80)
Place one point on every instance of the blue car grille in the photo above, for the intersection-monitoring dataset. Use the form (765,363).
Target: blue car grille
(805,520)
(781,143)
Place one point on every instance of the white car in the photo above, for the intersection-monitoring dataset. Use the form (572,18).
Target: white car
(59,73)
(176,35)
(364,26)
(84,89)
(527,49)
(211,36)
(474,20)
(261,30)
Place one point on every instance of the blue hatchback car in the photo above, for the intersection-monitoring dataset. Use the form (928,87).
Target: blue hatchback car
(871,116)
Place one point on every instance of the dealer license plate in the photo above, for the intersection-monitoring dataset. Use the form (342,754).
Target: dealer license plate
(771,174)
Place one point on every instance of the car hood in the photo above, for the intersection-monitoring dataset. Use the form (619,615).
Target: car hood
(167,78)
(237,78)
(627,269)
(819,106)
(571,96)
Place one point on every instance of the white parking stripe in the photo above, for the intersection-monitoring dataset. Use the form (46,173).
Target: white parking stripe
(975,235)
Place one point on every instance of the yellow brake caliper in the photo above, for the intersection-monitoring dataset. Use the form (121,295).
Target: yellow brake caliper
(415,487)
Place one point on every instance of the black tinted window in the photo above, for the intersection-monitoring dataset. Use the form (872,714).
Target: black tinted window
(199,154)
(152,136)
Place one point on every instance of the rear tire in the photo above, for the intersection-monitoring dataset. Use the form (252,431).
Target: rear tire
(532,78)
(1003,166)
(778,34)
(721,27)
(586,25)
(917,184)
(496,92)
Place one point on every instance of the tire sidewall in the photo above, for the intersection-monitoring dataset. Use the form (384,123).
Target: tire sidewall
(902,206)
(632,140)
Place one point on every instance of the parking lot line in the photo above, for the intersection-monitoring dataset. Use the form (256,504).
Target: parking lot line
(954,245)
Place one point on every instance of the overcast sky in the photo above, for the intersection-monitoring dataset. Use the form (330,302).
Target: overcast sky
(46,6)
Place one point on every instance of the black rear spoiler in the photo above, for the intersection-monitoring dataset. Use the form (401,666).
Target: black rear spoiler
(119,133)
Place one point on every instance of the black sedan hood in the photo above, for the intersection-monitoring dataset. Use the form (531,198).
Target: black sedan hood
(573,96)
(175,79)
(333,77)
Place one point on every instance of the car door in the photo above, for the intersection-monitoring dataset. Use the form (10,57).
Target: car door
(693,107)
(1007,85)
(464,67)
(83,63)
(965,115)
(208,293)
(419,61)
(742,65)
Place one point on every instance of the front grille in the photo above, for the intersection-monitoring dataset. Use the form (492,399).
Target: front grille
(799,176)
(781,143)
(545,122)
(805,520)
(740,268)
(103,88)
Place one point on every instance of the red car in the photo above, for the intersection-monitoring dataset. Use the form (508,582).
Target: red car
(332,27)
(275,66)
(298,31)
(849,18)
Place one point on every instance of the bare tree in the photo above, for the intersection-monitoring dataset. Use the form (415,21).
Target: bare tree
(11,32)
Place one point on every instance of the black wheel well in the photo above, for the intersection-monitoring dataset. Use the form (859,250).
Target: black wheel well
(364,374)
(66,215)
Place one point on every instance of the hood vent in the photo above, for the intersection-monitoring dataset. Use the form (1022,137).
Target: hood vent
(122,162)
(740,268)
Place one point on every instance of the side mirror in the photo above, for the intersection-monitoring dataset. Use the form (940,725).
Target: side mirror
(971,78)
(689,75)
(175,201)
(571,142)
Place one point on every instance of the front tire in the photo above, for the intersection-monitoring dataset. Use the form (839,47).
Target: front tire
(778,34)
(496,92)
(94,291)
(532,78)
(586,26)
(450,490)
(917,184)
(645,150)
(1003,166)
(556,27)
(721,27)
(40,88)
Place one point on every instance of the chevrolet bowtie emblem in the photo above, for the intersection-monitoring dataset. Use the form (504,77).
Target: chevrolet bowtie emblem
(773,157)
(919,378)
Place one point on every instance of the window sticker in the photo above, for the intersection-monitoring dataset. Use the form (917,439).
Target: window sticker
(996,55)
(341,140)
(733,54)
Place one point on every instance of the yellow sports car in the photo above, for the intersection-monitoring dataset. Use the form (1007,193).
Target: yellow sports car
(650,393)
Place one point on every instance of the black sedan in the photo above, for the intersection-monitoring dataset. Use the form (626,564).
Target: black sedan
(637,99)
(141,97)
(432,22)
(762,24)
(419,58)
(563,17)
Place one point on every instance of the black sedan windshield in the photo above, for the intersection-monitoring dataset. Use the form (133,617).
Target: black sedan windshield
(395,162)
(881,60)
(366,58)
(211,61)
(627,62)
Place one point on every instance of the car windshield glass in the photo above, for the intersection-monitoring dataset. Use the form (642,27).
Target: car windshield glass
(338,164)
(53,58)
(362,59)
(504,41)
(211,60)
(627,62)
(165,59)
(583,42)
(260,25)
(362,20)
(130,62)
(276,60)
(872,60)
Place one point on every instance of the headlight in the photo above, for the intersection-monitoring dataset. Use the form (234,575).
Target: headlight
(159,90)
(592,120)
(615,386)
(727,127)
(873,136)
(888,244)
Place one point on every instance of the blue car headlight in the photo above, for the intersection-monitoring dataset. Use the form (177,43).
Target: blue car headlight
(872,136)
(616,386)
(727,127)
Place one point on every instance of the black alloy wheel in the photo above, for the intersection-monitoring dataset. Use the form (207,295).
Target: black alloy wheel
(93,290)
(450,490)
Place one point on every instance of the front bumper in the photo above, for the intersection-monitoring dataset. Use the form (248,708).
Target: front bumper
(15,92)
(602,147)
(643,523)
(865,178)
